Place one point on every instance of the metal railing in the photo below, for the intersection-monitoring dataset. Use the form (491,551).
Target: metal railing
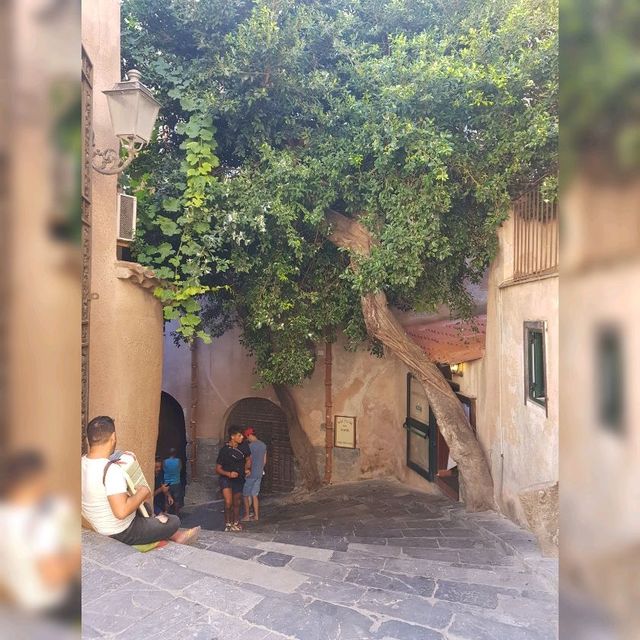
(535,235)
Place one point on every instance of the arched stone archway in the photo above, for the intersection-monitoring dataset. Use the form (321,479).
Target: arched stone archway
(270,424)
(172,431)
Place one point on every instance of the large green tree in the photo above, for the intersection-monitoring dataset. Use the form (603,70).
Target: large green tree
(320,161)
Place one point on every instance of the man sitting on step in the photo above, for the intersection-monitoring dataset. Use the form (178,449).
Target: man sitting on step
(109,506)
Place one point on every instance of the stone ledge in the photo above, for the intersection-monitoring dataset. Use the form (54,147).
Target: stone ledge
(137,274)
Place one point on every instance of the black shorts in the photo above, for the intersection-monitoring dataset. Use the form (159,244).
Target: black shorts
(177,492)
(235,484)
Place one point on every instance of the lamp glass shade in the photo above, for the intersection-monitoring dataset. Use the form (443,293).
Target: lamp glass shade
(133,111)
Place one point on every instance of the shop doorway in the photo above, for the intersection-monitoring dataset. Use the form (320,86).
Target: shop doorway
(427,450)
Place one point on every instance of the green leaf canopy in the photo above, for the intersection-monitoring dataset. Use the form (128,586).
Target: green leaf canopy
(422,118)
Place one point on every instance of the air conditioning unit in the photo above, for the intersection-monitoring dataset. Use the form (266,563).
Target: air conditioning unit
(127,206)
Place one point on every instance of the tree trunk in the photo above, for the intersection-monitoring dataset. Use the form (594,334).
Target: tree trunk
(382,325)
(302,448)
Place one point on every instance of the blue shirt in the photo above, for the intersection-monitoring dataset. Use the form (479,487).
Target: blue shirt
(258,451)
(171,468)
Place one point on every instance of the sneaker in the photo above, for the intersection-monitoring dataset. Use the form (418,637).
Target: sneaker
(227,528)
(236,526)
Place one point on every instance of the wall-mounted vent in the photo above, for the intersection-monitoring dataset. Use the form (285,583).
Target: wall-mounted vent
(126,218)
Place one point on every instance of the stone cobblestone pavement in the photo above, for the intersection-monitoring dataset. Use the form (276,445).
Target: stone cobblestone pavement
(366,561)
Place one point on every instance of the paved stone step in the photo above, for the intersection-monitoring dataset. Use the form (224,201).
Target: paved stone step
(513,577)
(408,576)
(390,558)
(396,593)
(223,566)
(470,627)
(230,542)
(450,534)
(247,547)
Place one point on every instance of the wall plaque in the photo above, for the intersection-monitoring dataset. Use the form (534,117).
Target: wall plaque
(345,432)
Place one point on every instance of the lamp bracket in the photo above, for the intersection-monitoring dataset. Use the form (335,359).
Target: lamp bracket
(109,161)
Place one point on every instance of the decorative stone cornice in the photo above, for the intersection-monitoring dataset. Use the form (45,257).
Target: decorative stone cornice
(137,274)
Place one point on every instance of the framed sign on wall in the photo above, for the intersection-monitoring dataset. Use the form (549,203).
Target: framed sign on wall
(345,432)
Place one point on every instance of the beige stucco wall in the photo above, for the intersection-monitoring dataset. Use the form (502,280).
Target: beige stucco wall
(125,364)
(519,439)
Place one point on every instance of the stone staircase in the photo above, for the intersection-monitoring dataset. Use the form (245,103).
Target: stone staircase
(364,561)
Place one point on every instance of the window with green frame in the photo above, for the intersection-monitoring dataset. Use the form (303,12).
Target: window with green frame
(535,369)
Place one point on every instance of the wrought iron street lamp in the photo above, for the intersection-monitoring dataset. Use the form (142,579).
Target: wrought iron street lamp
(133,111)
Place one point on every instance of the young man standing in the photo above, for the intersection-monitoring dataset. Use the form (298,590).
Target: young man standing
(254,478)
(230,467)
(106,503)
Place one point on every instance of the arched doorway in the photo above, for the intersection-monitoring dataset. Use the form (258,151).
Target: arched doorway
(172,433)
(271,427)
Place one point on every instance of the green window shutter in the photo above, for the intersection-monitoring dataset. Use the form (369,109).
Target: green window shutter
(537,383)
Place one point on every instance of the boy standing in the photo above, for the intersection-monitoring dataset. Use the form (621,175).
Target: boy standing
(230,467)
(253,480)
(172,468)
(162,498)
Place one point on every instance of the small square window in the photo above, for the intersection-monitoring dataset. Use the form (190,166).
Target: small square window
(535,373)
(610,379)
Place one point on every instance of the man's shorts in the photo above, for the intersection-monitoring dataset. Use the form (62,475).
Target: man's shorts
(252,487)
(177,491)
(147,530)
(235,484)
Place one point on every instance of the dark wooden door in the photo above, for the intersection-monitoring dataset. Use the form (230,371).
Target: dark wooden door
(271,427)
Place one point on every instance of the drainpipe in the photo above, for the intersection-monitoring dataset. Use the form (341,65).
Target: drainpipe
(194,407)
(500,382)
(328,414)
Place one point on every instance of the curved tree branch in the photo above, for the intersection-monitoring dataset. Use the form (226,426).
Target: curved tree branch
(452,421)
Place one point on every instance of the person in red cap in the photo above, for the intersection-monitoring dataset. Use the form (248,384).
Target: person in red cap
(253,479)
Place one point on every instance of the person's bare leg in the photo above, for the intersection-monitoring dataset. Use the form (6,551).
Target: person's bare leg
(256,508)
(227,494)
(186,536)
(237,498)
(247,504)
